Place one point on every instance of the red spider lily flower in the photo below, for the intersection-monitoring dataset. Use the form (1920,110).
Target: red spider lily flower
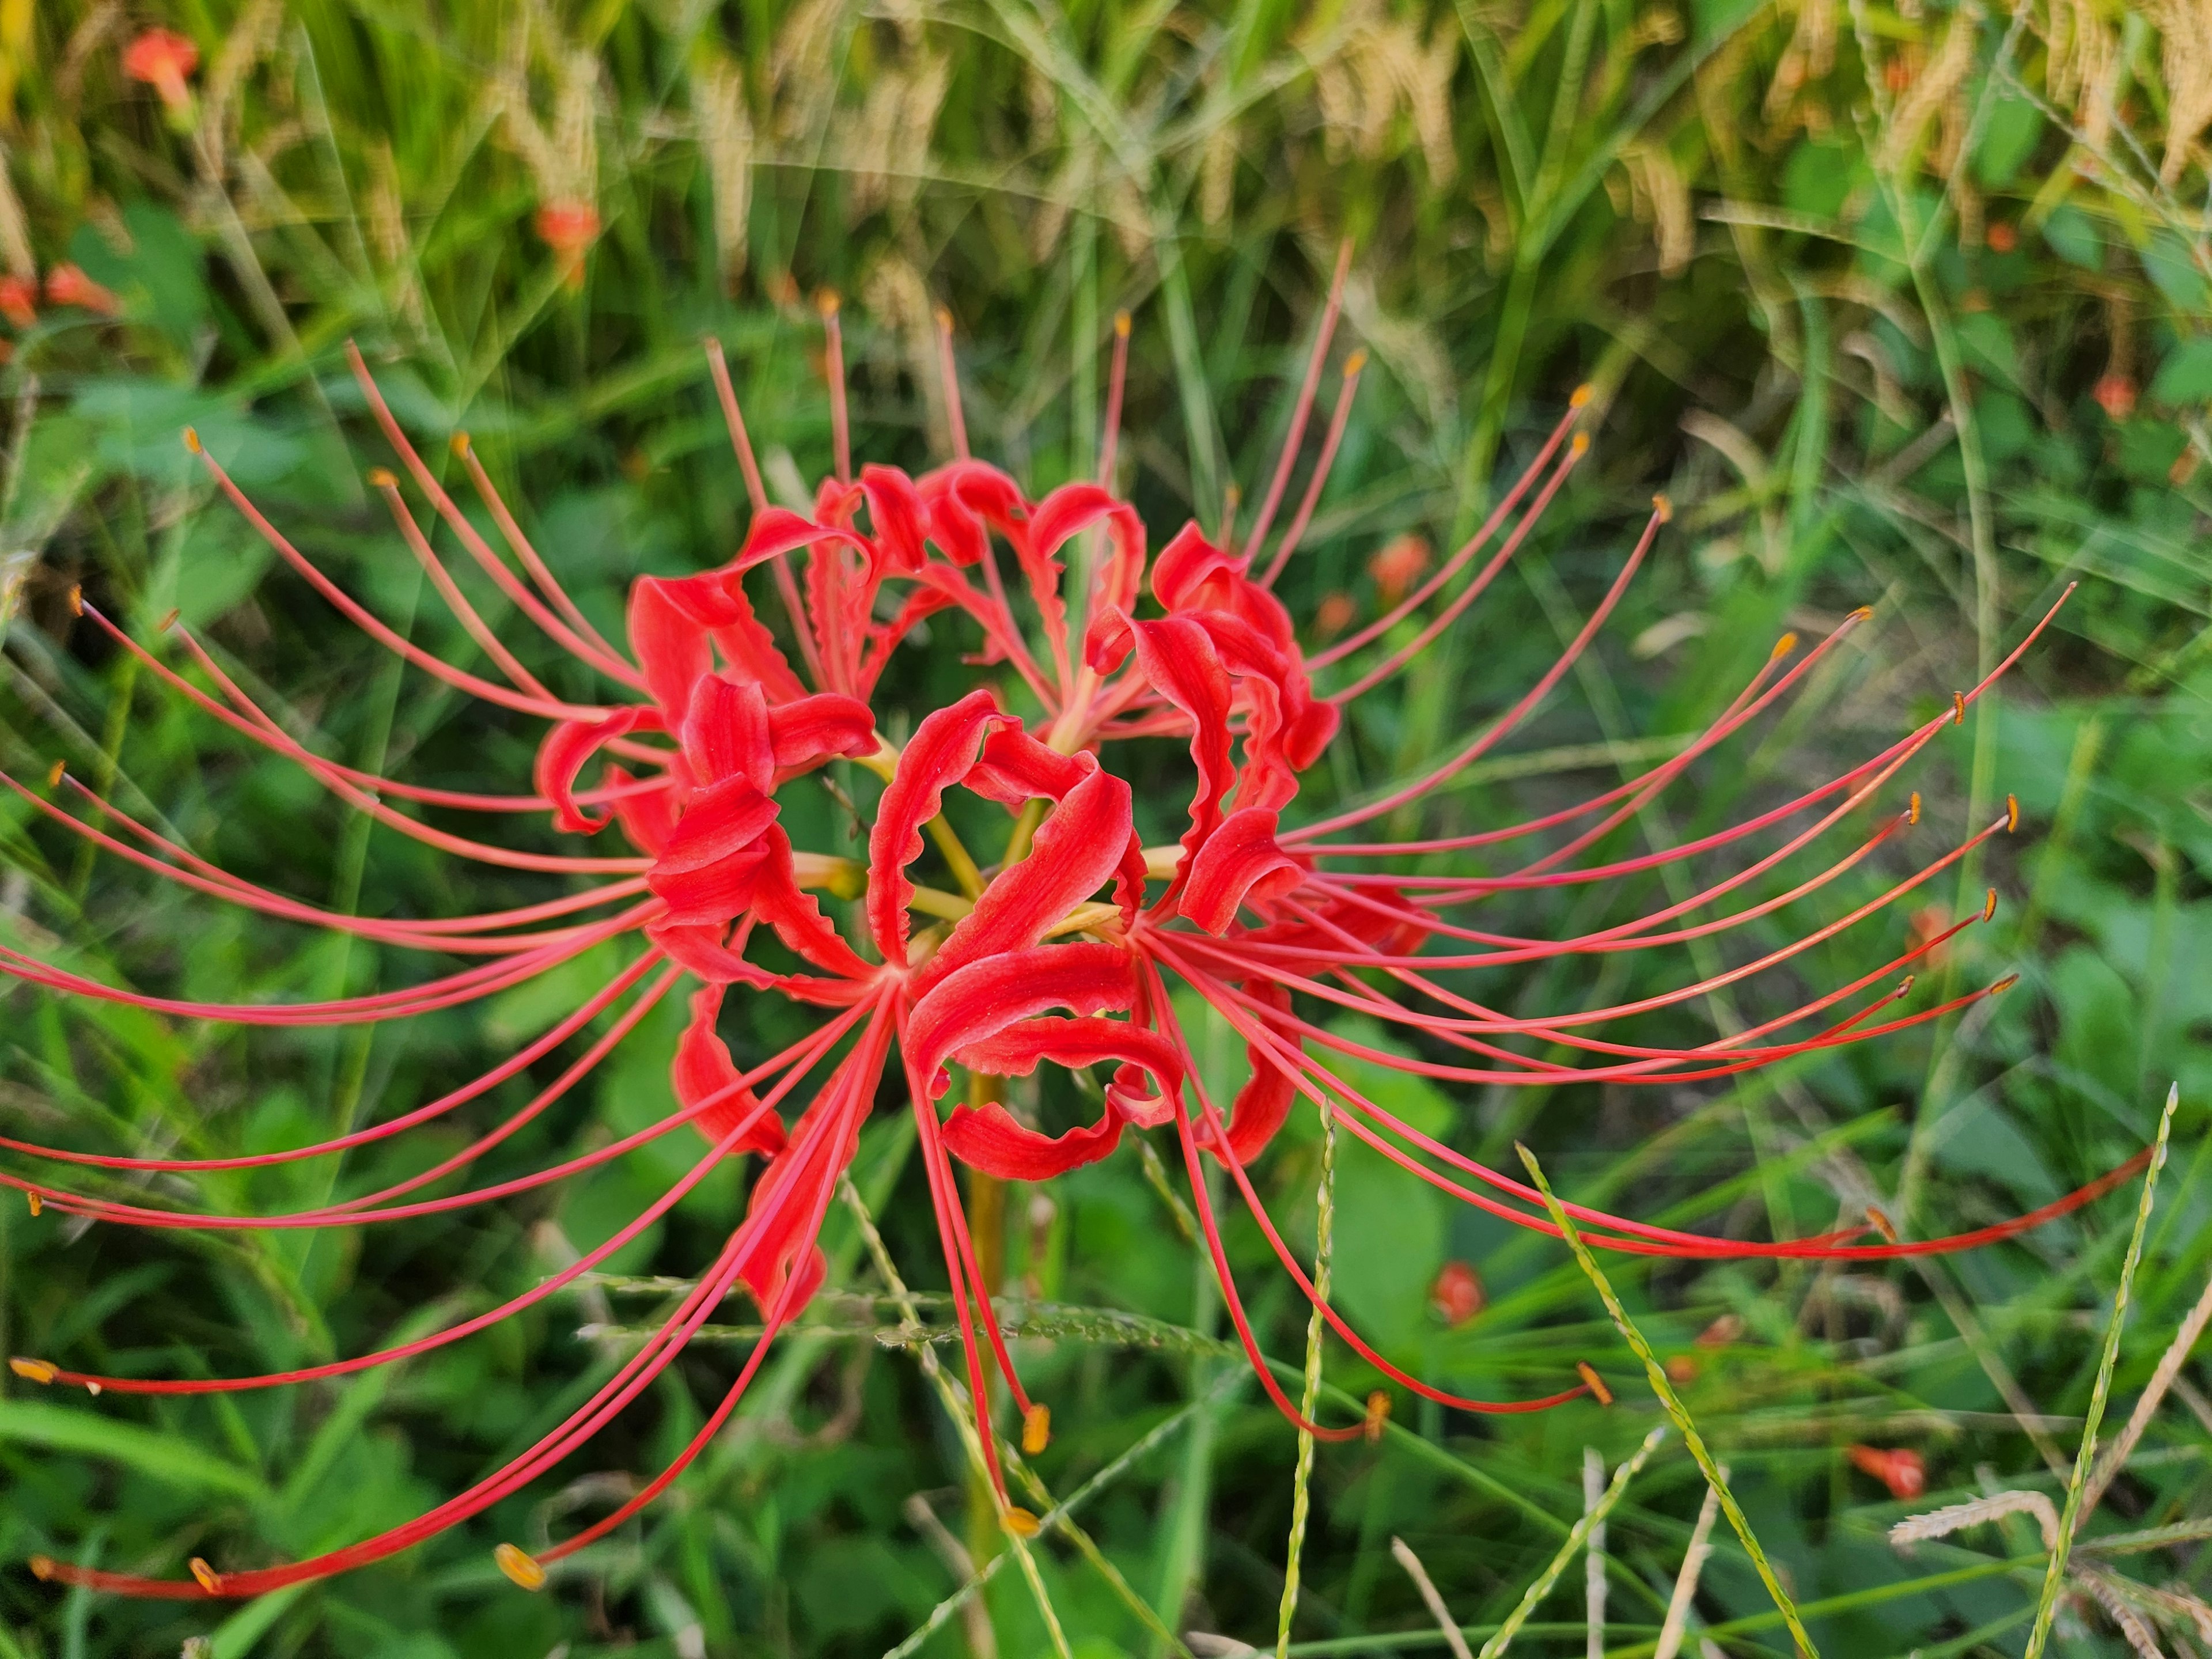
(1064,951)
(1458,1294)
(66,285)
(1333,615)
(2116,396)
(569,229)
(19,300)
(1902,1470)
(163,59)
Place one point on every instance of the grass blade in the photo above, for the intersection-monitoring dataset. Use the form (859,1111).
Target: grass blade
(2054,1571)
(1578,1536)
(1673,1402)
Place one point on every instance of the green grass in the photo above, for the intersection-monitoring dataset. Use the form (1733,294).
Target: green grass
(1854,321)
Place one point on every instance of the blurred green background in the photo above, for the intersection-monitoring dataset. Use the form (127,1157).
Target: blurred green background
(1906,306)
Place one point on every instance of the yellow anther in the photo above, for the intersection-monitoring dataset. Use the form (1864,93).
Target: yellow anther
(1904,985)
(1579,398)
(54,773)
(207,1577)
(521,1567)
(42,1567)
(1354,363)
(1378,1413)
(1580,446)
(1912,811)
(167,621)
(77,601)
(1664,507)
(382,478)
(459,442)
(1880,1222)
(35,1370)
(2004,985)
(1121,324)
(826,302)
(1019,1521)
(1784,646)
(1990,905)
(945,318)
(1958,708)
(1593,1382)
(36,1203)
(2012,813)
(193,440)
(1036,1429)
(1864,613)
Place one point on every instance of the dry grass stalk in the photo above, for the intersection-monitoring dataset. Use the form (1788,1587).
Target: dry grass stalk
(1686,1583)
(1433,1597)
(2115,1456)
(2186,64)
(722,125)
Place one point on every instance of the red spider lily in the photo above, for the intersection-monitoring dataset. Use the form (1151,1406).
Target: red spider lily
(1061,953)
(569,229)
(163,59)
(1456,1293)
(66,285)
(1900,1468)
(19,300)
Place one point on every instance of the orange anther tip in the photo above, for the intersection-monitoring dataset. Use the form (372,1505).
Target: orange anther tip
(2012,813)
(520,1566)
(192,439)
(1354,363)
(1580,445)
(1880,1222)
(205,1575)
(1036,1429)
(1904,985)
(1582,395)
(382,478)
(1990,905)
(1913,812)
(945,318)
(167,621)
(459,442)
(2004,985)
(1378,1413)
(77,601)
(1664,507)
(56,772)
(1121,324)
(1593,1382)
(1784,646)
(42,1566)
(826,302)
(1864,613)
(1958,708)
(1018,1522)
(35,1370)
(36,1203)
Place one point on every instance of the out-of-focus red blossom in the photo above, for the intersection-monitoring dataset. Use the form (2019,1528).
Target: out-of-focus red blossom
(1458,1294)
(1333,615)
(2116,396)
(1901,1470)
(1927,927)
(66,285)
(163,59)
(569,229)
(1076,951)
(19,300)
(2001,237)
(1398,565)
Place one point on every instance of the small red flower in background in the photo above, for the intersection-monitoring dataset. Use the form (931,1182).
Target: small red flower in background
(163,59)
(1067,955)
(1333,615)
(569,229)
(68,286)
(1398,566)
(19,300)
(2001,237)
(2116,396)
(1458,1294)
(1901,1470)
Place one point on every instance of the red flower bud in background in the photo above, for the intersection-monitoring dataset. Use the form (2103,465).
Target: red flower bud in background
(163,59)
(68,286)
(569,229)
(1398,566)
(1457,1294)
(2116,396)
(1901,1470)
(19,299)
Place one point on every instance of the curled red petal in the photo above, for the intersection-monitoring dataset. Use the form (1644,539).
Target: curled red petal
(896,513)
(566,749)
(978,1001)
(943,747)
(725,733)
(1177,657)
(816,728)
(702,1070)
(1240,864)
